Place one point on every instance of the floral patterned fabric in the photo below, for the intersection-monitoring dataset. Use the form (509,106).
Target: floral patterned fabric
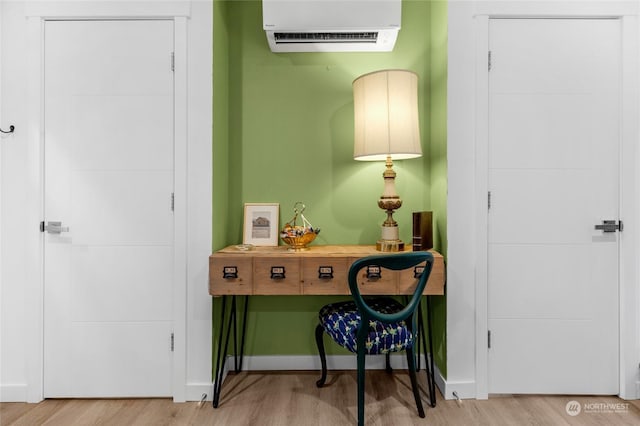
(341,321)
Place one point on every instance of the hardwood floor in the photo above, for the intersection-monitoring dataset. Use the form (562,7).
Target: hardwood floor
(284,399)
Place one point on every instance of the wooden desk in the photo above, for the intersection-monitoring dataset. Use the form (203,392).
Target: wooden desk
(321,270)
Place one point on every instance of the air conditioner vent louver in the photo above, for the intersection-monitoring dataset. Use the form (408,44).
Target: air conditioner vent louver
(315,37)
(331,25)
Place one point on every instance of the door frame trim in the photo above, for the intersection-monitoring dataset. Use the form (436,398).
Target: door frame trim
(629,291)
(37,13)
(482,214)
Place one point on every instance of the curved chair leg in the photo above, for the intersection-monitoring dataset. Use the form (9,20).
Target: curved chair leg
(323,357)
(361,372)
(414,382)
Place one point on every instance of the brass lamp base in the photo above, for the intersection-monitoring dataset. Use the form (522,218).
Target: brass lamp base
(389,245)
(389,201)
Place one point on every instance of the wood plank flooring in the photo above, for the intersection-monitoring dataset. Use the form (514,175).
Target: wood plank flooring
(283,399)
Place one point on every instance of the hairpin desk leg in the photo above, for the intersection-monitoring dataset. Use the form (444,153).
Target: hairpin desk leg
(220,357)
(228,325)
(421,339)
(244,329)
(429,368)
(431,371)
(234,325)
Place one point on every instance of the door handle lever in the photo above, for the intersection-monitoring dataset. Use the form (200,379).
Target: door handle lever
(609,226)
(55,228)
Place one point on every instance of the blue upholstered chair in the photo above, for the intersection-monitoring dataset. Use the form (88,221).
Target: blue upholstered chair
(389,325)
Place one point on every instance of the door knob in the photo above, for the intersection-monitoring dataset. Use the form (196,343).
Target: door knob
(55,228)
(610,226)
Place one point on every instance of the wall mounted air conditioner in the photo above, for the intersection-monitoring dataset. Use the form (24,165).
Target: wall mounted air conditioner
(331,25)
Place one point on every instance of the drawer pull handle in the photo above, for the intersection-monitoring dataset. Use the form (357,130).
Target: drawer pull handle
(417,271)
(325,272)
(277,273)
(374,272)
(229,272)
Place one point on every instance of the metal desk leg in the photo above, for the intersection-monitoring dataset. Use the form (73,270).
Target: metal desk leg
(227,327)
(244,329)
(235,334)
(419,337)
(429,368)
(220,357)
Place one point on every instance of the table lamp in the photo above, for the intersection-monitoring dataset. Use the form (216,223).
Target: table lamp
(385,107)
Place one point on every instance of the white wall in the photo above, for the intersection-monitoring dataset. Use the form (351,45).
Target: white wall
(199,193)
(13,181)
(1,122)
(466,299)
(20,209)
(461,331)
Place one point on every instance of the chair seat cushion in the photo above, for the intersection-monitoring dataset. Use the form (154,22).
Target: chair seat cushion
(341,321)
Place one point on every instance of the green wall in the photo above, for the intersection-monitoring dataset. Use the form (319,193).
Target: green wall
(437,144)
(220,151)
(283,132)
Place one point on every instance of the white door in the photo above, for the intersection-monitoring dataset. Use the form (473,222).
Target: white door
(108,90)
(554,135)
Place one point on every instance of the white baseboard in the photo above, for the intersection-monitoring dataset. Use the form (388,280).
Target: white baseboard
(18,393)
(455,389)
(13,393)
(195,391)
(312,363)
(441,382)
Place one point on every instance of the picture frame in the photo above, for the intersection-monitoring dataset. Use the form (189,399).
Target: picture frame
(261,222)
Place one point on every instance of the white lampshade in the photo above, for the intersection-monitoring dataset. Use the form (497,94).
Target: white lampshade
(385,107)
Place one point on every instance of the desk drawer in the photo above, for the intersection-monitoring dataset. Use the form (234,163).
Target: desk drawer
(230,275)
(325,275)
(386,283)
(408,279)
(435,286)
(276,275)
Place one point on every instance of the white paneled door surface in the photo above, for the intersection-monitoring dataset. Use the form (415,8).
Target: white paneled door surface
(554,137)
(108,167)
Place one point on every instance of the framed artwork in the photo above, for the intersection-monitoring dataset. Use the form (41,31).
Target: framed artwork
(261,224)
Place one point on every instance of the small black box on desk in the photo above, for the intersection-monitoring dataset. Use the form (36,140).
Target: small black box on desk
(422,231)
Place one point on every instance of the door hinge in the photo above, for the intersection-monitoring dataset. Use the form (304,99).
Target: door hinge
(489,61)
(173,202)
(488,200)
(172,342)
(173,61)
(42,226)
(489,339)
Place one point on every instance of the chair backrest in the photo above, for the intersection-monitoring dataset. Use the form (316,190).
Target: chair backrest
(394,262)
